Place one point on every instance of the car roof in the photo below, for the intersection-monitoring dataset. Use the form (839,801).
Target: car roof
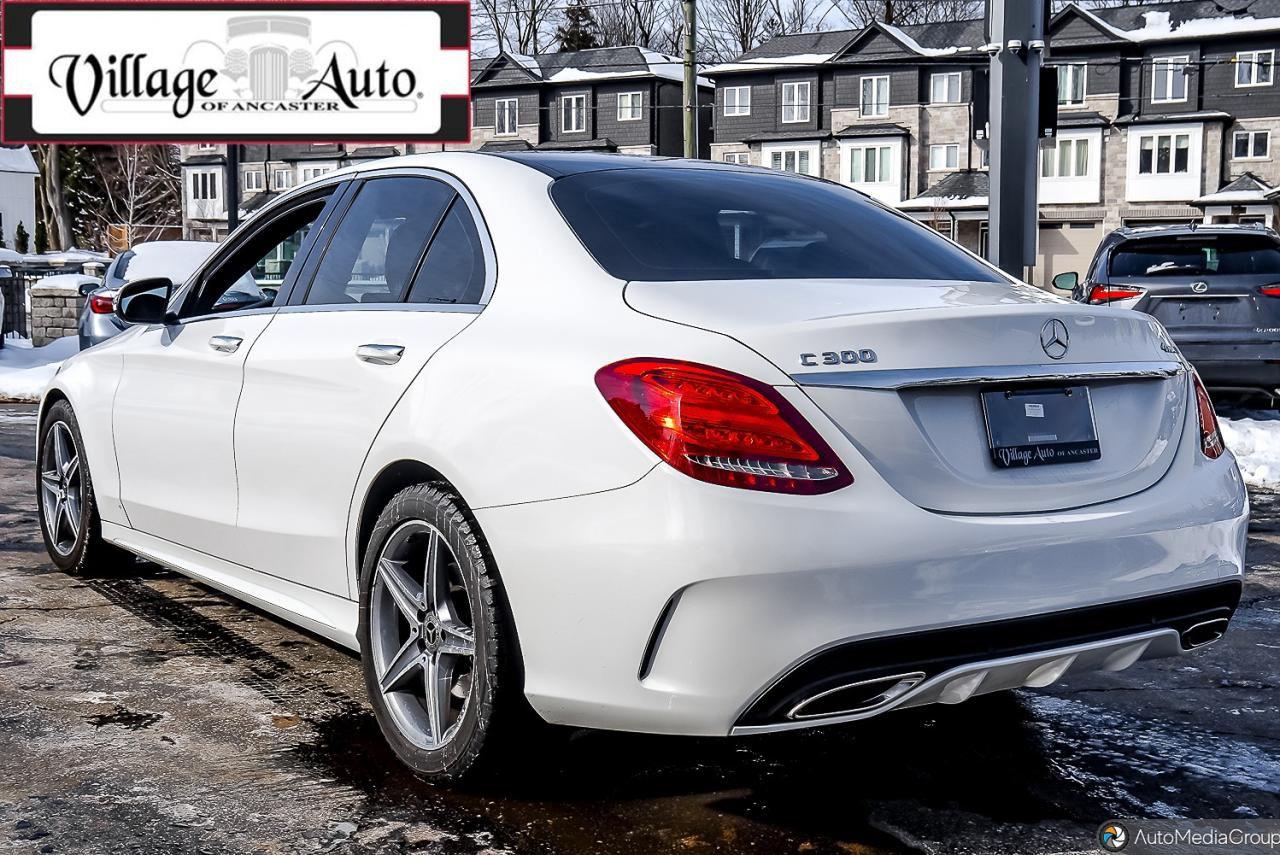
(1135,233)
(555,164)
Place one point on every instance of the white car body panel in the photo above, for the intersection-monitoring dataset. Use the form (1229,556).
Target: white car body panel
(680,601)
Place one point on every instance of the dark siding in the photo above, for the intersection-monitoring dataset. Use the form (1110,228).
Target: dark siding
(670,122)
(1192,52)
(1075,30)
(904,85)
(607,124)
(505,72)
(483,100)
(554,118)
(877,47)
(815,110)
(764,107)
(924,91)
(1220,92)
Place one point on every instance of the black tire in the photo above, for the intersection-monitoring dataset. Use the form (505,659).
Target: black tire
(87,552)
(495,706)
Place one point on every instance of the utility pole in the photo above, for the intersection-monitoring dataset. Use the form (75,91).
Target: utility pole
(1016,34)
(233,187)
(690,81)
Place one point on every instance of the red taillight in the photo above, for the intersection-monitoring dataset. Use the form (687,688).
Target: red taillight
(1270,290)
(102,304)
(1107,293)
(721,427)
(1210,436)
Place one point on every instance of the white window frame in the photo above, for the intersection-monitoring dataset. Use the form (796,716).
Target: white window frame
(312,172)
(1051,158)
(1266,149)
(1175,67)
(862,92)
(500,110)
(282,179)
(204,185)
(944,147)
(632,112)
(1251,59)
(883,156)
(1072,69)
(946,75)
(741,106)
(741,158)
(579,113)
(254,180)
(812,152)
(1172,136)
(798,106)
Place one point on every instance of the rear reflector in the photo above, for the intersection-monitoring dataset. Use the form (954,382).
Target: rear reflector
(1210,436)
(721,427)
(102,304)
(1107,293)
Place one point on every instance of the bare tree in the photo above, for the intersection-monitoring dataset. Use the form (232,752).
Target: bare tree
(639,22)
(860,13)
(54,209)
(728,28)
(140,187)
(519,26)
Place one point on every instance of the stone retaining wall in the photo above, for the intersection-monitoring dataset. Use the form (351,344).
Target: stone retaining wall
(55,312)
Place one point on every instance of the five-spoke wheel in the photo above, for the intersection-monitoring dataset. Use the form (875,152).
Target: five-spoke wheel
(61,488)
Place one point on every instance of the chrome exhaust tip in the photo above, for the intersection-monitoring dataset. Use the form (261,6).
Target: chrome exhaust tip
(858,697)
(1205,632)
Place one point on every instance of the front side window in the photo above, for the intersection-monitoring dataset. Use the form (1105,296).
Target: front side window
(1169,79)
(506,117)
(1071,80)
(629,104)
(795,102)
(722,224)
(1255,67)
(1164,154)
(874,100)
(945,156)
(375,250)
(944,88)
(870,164)
(737,101)
(573,114)
(1068,158)
(1251,145)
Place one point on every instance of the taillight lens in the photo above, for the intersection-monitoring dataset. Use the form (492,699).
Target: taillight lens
(1210,436)
(721,427)
(1270,290)
(102,304)
(1107,293)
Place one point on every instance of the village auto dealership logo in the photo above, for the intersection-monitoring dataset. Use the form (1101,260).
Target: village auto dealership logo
(195,71)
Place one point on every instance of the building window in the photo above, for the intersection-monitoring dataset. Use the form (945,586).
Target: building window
(739,157)
(506,117)
(1251,145)
(945,156)
(629,106)
(737,101)
(1071,83)
(944,88)
(870,164)
(204,185)
(790,160)
(282,179)
(875,96)
(573,114)
(795,102)
(1164,154)
(1069,158)
(1255,67)
(254,180)
(309,172)
(207,147)
(1168,79)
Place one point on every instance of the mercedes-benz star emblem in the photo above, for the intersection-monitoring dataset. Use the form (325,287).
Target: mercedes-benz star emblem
(1199,287)
(1055,339)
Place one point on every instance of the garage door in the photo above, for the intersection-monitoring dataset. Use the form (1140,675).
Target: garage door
(1065,248)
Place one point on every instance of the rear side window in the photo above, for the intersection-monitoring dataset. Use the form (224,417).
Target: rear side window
(1197,255)
(690,224)
(453,271)
(377,246)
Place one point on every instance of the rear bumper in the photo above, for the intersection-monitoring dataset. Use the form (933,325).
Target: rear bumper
(1244,366)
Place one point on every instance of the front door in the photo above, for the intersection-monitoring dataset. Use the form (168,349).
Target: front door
(405,271)
(180,384)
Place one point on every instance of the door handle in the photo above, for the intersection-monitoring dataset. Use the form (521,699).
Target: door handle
(379,354)
(225,343)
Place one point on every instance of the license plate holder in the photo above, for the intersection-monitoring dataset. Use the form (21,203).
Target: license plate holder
(1040,427)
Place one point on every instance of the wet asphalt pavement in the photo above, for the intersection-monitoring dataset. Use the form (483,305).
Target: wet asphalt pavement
(146,713)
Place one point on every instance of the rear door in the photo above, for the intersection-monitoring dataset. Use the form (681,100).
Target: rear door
(408,268)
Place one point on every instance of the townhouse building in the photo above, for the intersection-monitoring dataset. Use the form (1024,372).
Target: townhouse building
(1166,114)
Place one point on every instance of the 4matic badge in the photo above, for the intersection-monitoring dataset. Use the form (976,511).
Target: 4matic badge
(837,357)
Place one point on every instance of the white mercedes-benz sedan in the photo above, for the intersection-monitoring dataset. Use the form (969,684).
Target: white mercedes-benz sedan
(664,446)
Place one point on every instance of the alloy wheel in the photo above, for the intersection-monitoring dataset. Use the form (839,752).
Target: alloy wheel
(422,634)
(61,488)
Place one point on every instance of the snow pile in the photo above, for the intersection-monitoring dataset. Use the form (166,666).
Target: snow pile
(25,370)
(1256,446)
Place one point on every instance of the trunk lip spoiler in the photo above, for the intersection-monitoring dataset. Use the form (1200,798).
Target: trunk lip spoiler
(906,378)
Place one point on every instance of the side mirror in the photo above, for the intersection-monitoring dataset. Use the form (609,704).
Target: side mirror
(144,301)
(1066,281)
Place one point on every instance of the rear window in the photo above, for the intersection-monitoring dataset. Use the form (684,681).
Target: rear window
(1197,255)
(690,224)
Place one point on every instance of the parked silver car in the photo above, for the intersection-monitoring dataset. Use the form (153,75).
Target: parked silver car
(171,259)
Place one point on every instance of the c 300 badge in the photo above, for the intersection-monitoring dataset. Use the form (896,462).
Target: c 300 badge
(837,357)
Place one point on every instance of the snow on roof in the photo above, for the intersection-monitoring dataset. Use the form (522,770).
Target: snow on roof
(915,46)
(763,63)
(929,203)
(1159,25)
(17,159)
(530,63)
